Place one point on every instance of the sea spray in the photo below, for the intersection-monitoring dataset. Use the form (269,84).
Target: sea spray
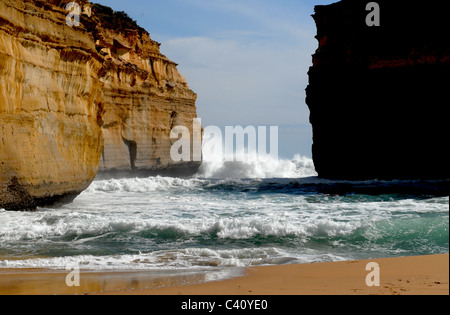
(230,215)
(220,167)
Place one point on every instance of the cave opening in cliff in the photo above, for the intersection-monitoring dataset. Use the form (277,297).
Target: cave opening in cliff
(132,149)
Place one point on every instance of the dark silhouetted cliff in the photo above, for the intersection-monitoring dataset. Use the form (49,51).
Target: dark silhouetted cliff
(378,95)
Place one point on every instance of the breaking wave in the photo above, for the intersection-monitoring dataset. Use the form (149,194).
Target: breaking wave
(218,167)
(231,214)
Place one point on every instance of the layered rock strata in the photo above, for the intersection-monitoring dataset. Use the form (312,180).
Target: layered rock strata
(144,96)
(50,106)
(378,95)
(69,94)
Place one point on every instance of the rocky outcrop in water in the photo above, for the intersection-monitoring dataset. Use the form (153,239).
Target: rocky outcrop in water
(69,94)
(378,95)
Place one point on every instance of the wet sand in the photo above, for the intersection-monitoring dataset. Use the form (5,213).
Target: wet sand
(424,275)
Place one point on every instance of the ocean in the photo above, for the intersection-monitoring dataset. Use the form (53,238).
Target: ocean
(229,216)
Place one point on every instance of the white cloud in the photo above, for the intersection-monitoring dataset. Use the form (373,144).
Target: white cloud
(267,13)
(253,72)
(244,82)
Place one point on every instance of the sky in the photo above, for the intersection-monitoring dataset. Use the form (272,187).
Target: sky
(246,59)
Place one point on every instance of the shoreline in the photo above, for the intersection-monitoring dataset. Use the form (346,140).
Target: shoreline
(420,275)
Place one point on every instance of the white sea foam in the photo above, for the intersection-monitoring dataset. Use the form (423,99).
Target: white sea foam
(193,258)
(83,228)
(220,167)
(230,215)
(227,173)
(140,185)
(243,224)
(191,215)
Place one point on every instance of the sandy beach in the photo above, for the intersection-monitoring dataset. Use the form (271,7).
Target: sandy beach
(424,275)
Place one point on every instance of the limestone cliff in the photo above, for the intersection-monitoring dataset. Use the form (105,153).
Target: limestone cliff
(378,95)
(145,97)
(50,105)
(69,94)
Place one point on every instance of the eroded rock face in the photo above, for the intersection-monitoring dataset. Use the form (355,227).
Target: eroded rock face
(379,95)
(145,97)
(50,104)
(69,94)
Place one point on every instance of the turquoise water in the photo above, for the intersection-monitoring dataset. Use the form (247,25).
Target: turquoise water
(204,223)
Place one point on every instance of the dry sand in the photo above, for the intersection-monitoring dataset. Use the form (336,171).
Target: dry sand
(424,275)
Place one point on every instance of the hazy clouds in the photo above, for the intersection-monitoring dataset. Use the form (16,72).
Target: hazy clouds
(246,60)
